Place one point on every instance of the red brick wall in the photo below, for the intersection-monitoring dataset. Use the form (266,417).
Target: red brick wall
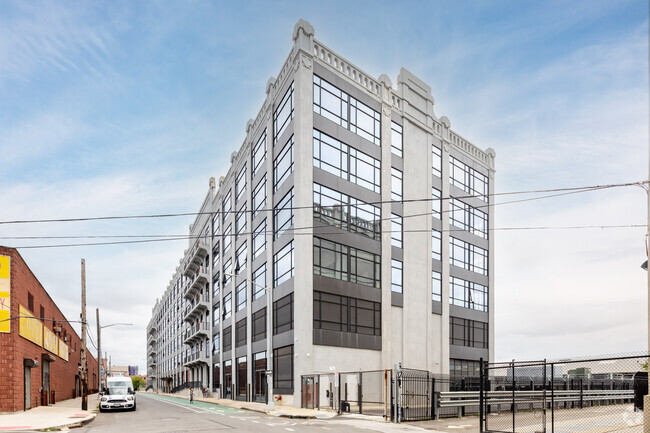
(15,348)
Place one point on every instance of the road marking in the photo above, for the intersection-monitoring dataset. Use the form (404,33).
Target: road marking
(256,422)
(184,406)
(290,429)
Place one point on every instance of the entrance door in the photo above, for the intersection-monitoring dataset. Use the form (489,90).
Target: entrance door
(28,388)
(259,377)
(309,392)
(46,382)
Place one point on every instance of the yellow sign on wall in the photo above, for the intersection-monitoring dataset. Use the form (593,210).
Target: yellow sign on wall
(5,292)
(30,327)
(63,350)
(50,341)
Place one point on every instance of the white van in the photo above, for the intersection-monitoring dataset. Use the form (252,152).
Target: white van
(118,394)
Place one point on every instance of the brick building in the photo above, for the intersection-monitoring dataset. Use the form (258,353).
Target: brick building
(41,352)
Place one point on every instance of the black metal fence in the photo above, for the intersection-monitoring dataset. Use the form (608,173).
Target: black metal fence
(187,385)
(595,394)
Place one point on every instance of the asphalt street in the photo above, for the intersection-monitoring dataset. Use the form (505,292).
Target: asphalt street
(161,414)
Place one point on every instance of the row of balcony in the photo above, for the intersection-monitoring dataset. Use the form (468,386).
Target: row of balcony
(199,282)
(196,257)
(198,305)
(196,333)
(196,358)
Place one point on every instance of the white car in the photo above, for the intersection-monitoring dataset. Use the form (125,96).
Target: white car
(118,394)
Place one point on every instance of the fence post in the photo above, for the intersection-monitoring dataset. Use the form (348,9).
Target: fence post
(514,404)
(552,397)
(544,396)
(434,399)
(480,396)
(581,394)
(360,391)
(463,387)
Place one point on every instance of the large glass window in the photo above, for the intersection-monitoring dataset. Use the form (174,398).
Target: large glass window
(396,230)
(436,161)
(259,197)
(345,212)
(259,239)
(468,294)
(283,114)
(240,295)
(240,221)
(346,111)
(216,315)
(396,144)
(283,165)
(240,333)
(227,307)
(346,314)
(227,271)
(216,344)
(468,256)
(240,258)
(227,239)
(227,206)
(464,368)
(396,192)
(346,162)
(259,153)
(283,314)
(396,280)
(240,184)
(283,369)
(259,278)
(468,179)
(283,214)
(227,339)
(259,325)
(283,264)
(215,255)
(468,218)
(468,333)
(216,224)
(436,203)
(436,244)
(436,286)
(346,263)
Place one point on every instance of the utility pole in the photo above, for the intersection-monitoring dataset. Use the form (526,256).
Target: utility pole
(84,361)
(99,353)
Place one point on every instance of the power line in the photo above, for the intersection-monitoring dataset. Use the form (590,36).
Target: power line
(167,215)
(335,233)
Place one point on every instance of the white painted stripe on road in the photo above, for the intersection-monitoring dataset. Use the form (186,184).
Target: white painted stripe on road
(184,406)
(290,429)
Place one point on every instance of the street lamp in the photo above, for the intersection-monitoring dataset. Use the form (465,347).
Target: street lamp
(99,347)
(269,338)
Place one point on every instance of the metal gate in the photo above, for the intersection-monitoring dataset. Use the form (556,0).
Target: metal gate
(415,397)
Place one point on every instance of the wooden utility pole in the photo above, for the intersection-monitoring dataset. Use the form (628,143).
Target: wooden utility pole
(99,353)
(84,361)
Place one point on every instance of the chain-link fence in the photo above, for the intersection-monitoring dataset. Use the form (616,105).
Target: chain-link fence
(597,394)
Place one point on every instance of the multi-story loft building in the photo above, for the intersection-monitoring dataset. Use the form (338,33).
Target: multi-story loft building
(352,231)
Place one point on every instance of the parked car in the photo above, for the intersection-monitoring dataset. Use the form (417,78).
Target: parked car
(118,394)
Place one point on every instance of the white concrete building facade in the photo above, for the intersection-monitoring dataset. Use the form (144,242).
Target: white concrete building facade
(352,231)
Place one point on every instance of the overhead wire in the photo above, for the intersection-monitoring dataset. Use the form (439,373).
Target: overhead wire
(299,230)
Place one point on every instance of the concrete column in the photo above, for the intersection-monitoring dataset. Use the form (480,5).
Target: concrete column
(444,193)
(303,120)
(389,354)
(491,253)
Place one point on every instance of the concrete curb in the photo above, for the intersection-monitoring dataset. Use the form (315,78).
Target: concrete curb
(64,427)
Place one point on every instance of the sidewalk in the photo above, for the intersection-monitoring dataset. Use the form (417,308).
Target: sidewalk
(280,411)
(66,413)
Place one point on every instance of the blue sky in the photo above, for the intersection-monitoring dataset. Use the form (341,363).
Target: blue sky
(115,108)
